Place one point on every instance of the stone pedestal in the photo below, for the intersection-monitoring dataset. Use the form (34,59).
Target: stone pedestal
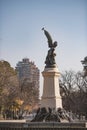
(51,93)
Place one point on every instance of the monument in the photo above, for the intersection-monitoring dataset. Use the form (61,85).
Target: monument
(51,102)
(51,92)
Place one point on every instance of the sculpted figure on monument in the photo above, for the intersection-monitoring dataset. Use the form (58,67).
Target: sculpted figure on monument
(50,58)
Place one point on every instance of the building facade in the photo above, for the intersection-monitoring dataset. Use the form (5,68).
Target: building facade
(27,69)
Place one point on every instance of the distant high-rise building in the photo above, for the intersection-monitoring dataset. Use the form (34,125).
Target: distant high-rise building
(27,70)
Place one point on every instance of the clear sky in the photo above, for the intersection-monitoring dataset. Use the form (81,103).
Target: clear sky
(21,35)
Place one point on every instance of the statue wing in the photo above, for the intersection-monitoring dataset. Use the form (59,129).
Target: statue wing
(48,37)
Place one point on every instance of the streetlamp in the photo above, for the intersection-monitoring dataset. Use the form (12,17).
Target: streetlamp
(84,62)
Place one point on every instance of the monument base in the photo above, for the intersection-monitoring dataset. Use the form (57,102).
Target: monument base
(52,102)
(51,92)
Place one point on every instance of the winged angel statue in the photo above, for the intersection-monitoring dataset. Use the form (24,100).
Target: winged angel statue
(50,58)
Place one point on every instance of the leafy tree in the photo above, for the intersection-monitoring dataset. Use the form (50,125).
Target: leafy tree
(14,94)
(8,85)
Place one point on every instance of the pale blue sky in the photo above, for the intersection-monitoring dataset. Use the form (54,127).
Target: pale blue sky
(21,35)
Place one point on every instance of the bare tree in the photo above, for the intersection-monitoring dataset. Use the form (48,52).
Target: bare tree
(29,93)
(74,91)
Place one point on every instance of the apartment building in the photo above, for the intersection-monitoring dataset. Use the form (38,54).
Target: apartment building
(27,69)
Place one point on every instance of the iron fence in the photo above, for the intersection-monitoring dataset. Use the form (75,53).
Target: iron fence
(42,126)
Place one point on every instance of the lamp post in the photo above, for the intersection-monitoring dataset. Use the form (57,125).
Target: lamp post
(84,63)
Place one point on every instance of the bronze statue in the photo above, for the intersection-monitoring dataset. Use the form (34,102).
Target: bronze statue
(50,58)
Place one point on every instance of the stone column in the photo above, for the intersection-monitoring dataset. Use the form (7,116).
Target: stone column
(51,93)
